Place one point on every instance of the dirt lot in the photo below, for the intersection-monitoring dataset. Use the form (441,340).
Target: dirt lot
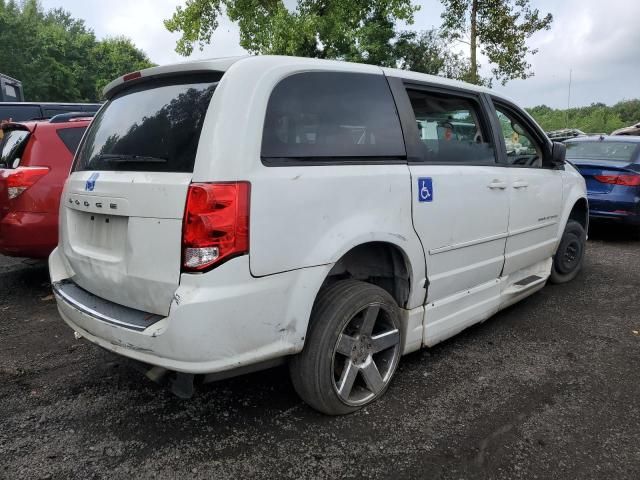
(547,389)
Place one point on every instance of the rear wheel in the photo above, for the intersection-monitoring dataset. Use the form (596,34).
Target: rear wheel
(352,349)
(567,261)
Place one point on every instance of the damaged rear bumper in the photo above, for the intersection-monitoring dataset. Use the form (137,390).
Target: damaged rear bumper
(219,321)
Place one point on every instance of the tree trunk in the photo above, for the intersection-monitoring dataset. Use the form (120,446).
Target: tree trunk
(474,41)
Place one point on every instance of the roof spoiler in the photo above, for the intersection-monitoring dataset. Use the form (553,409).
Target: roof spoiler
(66,117)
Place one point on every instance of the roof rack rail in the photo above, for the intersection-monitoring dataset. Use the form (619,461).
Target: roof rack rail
(65,117)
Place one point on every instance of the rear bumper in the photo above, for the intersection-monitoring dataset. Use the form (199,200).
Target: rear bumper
(619,207)
(219,321)
(28,234)
(618,217)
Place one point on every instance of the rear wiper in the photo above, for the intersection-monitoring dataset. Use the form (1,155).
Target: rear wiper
(121,158)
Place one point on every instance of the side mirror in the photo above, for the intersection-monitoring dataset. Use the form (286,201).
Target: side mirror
(558,154)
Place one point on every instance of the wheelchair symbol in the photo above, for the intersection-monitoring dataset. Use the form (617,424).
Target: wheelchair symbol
(425,190)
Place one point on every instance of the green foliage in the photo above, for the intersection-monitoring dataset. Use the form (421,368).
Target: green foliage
(596,118)
(500,29)
(353,30)
(57,57)
(427,52)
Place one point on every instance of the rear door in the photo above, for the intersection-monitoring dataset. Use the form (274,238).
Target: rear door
(535,192)
(122,207)
(460,204)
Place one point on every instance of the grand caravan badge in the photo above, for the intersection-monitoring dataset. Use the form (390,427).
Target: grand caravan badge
(91,182)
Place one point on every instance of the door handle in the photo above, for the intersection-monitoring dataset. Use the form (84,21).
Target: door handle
(520,184)
(497,184)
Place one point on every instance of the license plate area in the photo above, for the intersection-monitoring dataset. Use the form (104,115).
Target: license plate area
(98,236)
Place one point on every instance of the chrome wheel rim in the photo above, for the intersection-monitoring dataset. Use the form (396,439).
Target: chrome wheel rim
(365,355)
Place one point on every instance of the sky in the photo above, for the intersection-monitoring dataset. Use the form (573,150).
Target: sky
(597,41)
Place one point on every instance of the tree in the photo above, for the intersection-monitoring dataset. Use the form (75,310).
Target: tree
(595,118)
(500,29)
(113,57)
(353,30)
(57,57)
(427,52)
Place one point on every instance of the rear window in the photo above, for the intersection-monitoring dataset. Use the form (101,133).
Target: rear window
(328,114)
(71,137)
(12,143)
(152,127)
(622,152)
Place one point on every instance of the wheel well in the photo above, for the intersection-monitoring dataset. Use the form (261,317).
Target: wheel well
(580,213)
(378,263)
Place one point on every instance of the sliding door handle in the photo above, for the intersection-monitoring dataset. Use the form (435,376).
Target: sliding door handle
(520,184)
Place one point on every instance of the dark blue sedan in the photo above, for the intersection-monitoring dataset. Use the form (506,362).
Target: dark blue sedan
(611,168)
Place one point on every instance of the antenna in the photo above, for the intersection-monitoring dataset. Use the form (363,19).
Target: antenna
(569,98)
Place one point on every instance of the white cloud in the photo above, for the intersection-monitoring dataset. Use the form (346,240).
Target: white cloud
(599,41)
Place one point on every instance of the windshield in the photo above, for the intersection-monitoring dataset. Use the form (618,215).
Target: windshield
(151,127)
(599,150)
(12,143)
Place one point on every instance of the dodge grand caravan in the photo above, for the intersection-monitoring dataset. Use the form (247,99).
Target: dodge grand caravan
(223,216)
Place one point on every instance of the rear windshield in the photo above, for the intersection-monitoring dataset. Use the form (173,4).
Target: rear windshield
(153,127)
(12,144)
(622,152)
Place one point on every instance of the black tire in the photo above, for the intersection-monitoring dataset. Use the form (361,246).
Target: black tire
(322,374)
(568,260)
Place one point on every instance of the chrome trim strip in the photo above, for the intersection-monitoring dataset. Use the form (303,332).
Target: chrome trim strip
(520,231)
(470,243)
(511,233)
(92,313)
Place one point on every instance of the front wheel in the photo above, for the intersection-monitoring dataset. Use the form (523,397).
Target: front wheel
(352,349)
(567,261)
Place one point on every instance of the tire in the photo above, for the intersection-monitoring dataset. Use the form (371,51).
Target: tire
(568,260)
(352,348)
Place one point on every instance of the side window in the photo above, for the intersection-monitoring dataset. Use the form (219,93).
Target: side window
(522,148)
(450,129)
(19,113)
(327,115)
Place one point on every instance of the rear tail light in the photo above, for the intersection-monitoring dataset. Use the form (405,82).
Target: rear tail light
(20,179)
(216,224)
(626,180)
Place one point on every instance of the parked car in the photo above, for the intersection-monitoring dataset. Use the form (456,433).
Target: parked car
(633,130)
(223,216)
(35,158)
(611,167)
(565,134)
(27,111)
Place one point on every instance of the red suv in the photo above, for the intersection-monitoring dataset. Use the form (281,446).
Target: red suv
(35,159)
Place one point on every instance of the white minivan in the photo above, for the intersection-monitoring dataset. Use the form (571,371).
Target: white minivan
(224,216)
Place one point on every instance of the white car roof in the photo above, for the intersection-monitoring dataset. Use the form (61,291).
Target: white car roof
(296,64)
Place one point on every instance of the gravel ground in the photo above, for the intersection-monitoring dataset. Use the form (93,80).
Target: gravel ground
(546,389)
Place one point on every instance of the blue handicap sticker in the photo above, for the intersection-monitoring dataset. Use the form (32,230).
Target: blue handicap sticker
(425,189)
(91,182)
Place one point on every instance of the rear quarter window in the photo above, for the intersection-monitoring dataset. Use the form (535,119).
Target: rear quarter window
(331,116)
(71,137)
